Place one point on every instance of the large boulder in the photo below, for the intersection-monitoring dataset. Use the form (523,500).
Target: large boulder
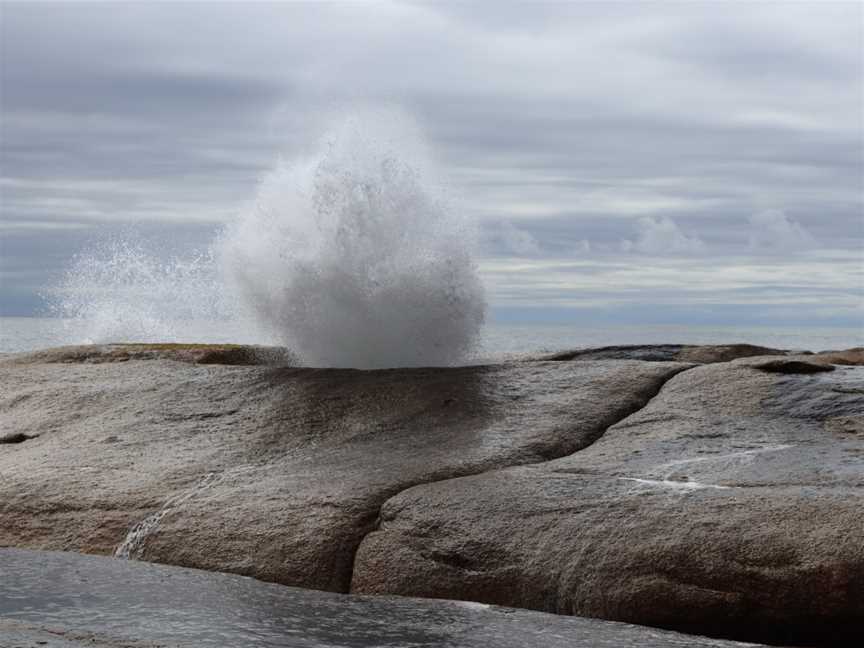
(272,472)
(96,602)
(731,505)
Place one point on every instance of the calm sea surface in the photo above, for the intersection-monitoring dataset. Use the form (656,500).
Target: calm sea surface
(499,340)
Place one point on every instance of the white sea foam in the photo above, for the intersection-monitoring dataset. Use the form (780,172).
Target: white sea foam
(351,256)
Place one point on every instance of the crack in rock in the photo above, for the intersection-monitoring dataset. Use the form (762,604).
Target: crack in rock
(17,437)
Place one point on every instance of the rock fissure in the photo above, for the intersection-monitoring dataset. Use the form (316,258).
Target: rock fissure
(645,402)
(17,437)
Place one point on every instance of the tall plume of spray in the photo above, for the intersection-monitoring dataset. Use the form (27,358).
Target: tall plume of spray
(352,256)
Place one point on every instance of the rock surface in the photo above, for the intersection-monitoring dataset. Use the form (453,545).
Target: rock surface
(87,602)
(732,503)
(848,357)
(703,354)
(276,473)
(15,634)
(722,496)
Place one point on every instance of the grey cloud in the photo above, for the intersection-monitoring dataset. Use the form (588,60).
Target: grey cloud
(760,51)
(518,241)
(567,123)
(775,231)
(133,93)
(662,236)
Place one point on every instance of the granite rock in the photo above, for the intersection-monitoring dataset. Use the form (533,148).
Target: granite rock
(273,472)
(731,505)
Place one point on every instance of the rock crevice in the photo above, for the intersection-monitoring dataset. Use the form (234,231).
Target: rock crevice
(646,397)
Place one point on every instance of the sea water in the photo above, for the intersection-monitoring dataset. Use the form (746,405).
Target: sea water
(498,340)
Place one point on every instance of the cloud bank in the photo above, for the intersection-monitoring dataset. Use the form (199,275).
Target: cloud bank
(772,230)
(662,236)
(715,142)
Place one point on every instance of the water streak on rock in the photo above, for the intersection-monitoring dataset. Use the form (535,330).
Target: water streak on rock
(133,544)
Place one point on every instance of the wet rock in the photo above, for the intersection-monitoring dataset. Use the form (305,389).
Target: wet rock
(702,354)
(731,505)
(88,602)
(15,634)
(273,472)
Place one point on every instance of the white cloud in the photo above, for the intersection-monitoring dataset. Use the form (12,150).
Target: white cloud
(518,241)
(773,230)
(824,281)
(583,247)
(662,236)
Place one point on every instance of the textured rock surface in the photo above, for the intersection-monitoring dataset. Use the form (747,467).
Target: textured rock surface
(789,364)
(703,354)
(732,503)
(726,498)
(848,357)
(15,634)
(87,602)
(271,472)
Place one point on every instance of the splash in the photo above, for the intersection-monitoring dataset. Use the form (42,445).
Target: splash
(352,256)
(119,291)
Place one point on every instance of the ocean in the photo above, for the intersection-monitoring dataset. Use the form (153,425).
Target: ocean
(498,340)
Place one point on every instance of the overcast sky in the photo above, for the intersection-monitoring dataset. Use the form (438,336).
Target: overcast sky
(651,162)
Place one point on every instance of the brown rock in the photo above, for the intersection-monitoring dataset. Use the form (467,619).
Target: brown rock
(276,473)
(731,505)
(706,354)
(848,357)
